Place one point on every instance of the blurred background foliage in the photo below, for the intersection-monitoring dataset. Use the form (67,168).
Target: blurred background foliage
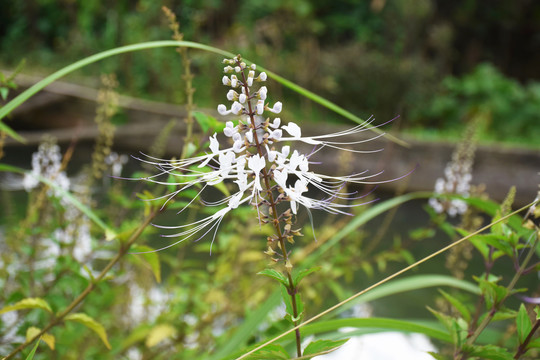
(431,61)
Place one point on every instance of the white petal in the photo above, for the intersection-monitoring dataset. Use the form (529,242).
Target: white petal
(260,107)
(249,136)
(276,134)
(237,108)
(293,130)
(275,124)
(214,144)
(277,108)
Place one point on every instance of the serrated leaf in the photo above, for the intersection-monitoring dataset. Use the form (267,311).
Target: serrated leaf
(276,275)
(270,352)
(458,305)
(319,346)
(523,324)
(159,333)
(28,303)
(92,324)
(150,257)
(48,339)
(303,273)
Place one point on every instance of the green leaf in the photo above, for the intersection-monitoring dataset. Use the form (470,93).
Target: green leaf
(287,299)
(493,293)
(203,120)
(433,330)
(503,313)
(276,275)
(320,346)
(207,122)
(411,283)
(170,43)
(450,324)
(523,323)
(497,241)
(33,352)
(151,259)
(270,352)
(92,324)
(303,273)
(489,352)
(458,305)
(4,91)
(28,303)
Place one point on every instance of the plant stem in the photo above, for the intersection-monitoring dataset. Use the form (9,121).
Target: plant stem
(292,290)
(522,349)
(124,248)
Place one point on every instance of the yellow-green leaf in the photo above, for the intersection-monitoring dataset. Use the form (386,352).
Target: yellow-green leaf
(28,303)
(91,324)
(160,333)
(48,339)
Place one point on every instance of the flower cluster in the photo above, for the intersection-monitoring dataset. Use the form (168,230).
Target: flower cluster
(46,162)
(458,176)
(265,173)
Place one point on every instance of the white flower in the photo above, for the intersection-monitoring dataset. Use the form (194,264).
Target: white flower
(255,167)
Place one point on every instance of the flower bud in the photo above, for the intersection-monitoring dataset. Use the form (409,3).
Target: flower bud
(237,108)
(222,109)
(232,95)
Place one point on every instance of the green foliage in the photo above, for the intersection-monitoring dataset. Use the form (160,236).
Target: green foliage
(513,107)
(215,307)
(323,346)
